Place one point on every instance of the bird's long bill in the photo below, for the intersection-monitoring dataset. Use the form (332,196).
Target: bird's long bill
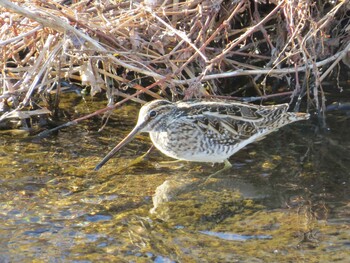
(120,145)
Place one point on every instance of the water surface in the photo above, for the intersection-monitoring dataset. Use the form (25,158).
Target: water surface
(286,199)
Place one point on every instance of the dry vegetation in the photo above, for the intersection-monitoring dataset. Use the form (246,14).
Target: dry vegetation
(177,50)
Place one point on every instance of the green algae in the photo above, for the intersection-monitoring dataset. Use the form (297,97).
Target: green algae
(54,207)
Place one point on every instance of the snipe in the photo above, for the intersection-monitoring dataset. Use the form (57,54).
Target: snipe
(206,131)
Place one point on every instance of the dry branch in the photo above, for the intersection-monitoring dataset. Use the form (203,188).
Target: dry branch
(185,49)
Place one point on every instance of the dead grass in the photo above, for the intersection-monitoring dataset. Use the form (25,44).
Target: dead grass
(177,50)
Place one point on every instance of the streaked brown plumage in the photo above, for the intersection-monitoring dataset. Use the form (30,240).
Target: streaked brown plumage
(206,131)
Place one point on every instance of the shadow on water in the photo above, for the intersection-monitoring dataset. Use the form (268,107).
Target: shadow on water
(286,199)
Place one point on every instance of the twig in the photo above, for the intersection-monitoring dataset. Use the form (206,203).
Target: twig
(340,56)
(182,35)
(49,21)
(98,112)
(269,71)
(234,43)
(23,35)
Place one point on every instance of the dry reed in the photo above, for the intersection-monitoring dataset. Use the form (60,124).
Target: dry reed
(173,49)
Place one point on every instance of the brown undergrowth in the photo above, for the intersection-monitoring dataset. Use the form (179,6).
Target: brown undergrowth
(139,50)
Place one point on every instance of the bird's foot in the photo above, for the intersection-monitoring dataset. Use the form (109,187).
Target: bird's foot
(135,161)
(167,163)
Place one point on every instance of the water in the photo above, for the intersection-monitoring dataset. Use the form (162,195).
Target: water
(286,199)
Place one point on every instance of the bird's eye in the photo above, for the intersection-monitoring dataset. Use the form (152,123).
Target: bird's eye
(152,113)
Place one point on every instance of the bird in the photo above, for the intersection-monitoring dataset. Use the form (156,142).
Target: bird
(208,131)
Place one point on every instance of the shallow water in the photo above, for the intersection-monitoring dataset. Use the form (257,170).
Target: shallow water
(286,199)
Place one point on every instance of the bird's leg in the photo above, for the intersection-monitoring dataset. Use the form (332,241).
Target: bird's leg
(227,166)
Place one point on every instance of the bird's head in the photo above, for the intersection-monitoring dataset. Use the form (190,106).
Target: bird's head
(153,114)
(152,117)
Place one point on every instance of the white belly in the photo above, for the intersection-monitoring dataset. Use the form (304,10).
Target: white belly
(190,149)
(195,149)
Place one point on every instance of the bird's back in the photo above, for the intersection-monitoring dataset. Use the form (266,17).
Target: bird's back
(231,121)
(211,131)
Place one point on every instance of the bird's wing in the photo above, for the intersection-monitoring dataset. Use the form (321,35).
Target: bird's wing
(228,123)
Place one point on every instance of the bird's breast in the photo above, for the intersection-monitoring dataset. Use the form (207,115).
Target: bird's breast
(188,143)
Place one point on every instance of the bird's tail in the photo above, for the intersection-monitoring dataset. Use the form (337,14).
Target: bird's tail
(297,116)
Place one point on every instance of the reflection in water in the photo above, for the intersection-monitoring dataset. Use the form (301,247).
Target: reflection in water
(234,237)
(286,196)
(169,190)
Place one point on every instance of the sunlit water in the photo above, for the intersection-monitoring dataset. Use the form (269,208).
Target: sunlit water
(286,199)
